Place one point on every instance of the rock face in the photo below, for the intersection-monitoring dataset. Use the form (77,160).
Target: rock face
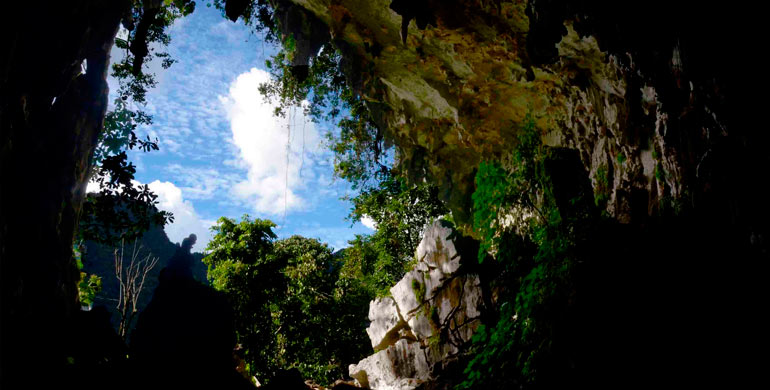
(653,111)
(651,98)
(428,321)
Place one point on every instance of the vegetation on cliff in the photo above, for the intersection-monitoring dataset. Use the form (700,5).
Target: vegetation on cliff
(601,171)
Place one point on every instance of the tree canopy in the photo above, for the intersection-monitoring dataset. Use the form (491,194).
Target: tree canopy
(290,310)
(121,210)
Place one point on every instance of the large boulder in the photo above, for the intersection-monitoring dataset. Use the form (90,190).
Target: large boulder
(386,322)
(427,322)
(401,366)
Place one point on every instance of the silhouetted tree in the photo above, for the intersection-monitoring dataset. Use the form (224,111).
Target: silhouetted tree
(131,276)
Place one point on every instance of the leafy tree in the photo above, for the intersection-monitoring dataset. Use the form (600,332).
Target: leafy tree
(146,25)
(121,210)
(239,266)
(88,287)
(400,212)
(290,311)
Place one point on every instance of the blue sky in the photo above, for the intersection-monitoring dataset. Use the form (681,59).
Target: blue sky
(223,153)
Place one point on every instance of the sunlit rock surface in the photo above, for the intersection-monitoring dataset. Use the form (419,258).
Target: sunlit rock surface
(433,312)
(647,93)
(386,322)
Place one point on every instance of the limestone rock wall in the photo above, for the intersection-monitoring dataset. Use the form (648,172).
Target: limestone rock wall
(647,93)
(426,324)
(653,101)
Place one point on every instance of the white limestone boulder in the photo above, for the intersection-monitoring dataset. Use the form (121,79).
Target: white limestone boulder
(405,292)
(401,366)
(430,318)
(437,250)
(386,323)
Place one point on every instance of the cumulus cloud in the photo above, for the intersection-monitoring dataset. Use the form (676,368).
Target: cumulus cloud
(368,222)
(275,151)
(186,219)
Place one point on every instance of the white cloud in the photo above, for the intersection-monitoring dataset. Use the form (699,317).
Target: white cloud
(271,147)
(93,186)
(368,222)
(186,219)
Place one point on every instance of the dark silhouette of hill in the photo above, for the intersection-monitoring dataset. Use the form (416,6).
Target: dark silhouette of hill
(99,259)
(185,336)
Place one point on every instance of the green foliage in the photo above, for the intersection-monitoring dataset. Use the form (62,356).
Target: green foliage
(358,145)
(523,184)
(670,205)
(660,172)
(147,31)
(419,290)
(119,132)
(88,287)
(491,193)
(493,350)
(435,321)
(120,210)
(77,254)
(434,341)
(367,265)
(291,310)
(400,211)
(535,264)
(621,157)
(602,190)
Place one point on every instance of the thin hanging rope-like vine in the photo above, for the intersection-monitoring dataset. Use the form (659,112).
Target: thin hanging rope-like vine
(286,174)
(302,156)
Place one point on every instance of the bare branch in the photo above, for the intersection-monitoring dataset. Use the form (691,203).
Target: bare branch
(131,278)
